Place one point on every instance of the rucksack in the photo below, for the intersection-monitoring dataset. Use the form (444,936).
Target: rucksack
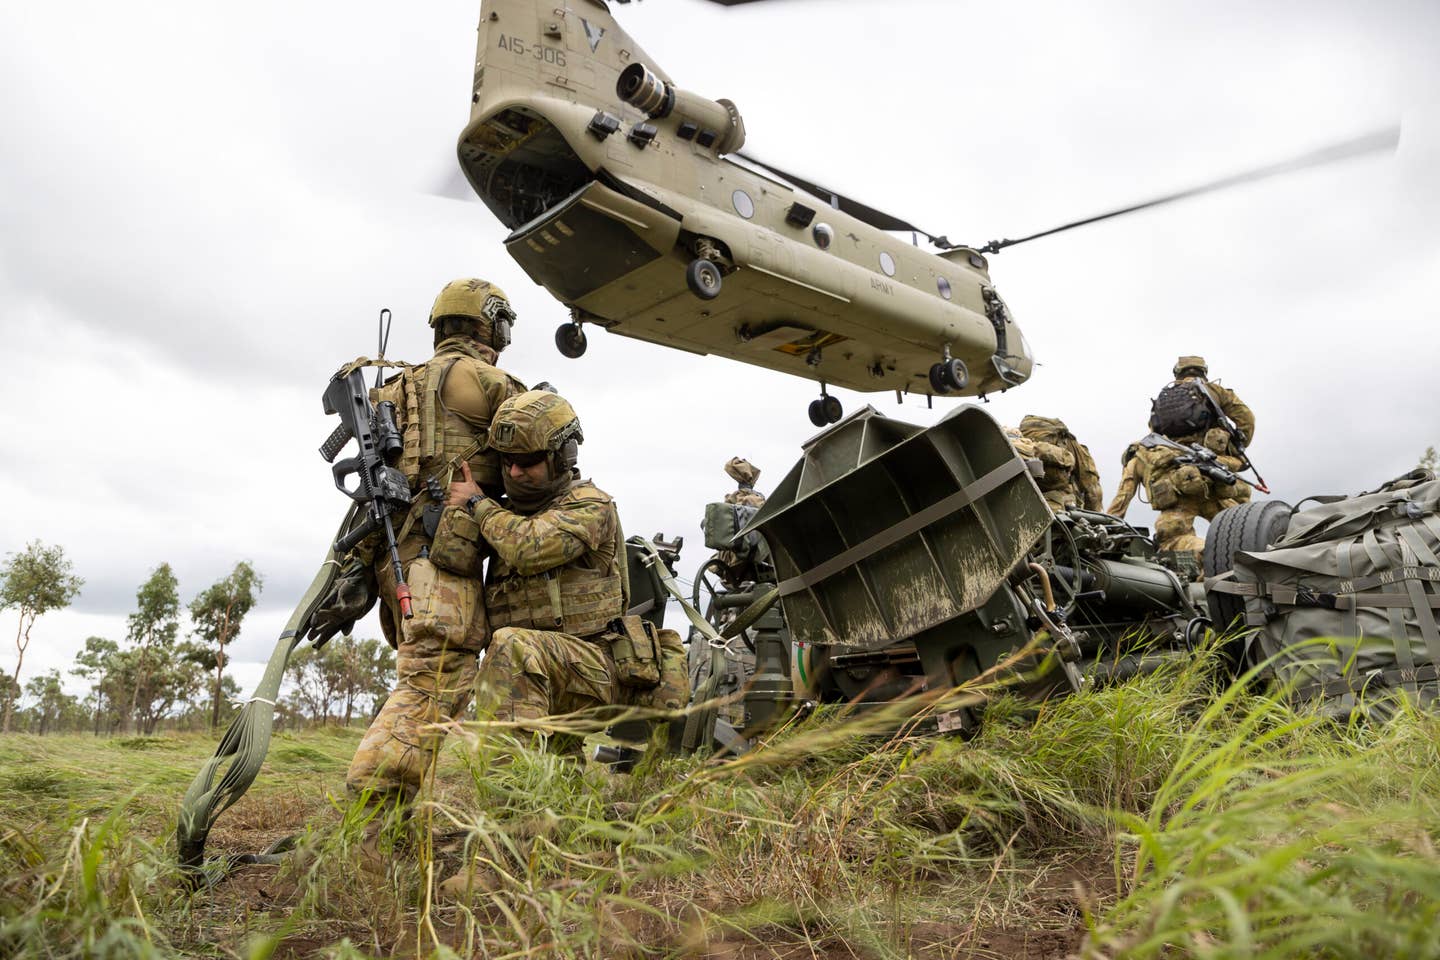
(1346,601)
(1181,409)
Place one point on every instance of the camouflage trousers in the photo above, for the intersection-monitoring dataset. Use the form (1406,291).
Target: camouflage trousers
(435,671)
(1061,499)
(530,674)
(1175,527)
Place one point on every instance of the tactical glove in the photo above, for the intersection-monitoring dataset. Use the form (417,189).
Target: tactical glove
(351,597)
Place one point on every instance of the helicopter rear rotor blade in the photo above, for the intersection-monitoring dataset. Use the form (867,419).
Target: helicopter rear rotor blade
(1379,141)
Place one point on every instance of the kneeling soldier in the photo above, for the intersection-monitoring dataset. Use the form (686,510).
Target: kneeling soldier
(555,592)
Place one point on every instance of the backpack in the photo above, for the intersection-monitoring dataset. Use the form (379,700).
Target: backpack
(1346,601)
(1181,409)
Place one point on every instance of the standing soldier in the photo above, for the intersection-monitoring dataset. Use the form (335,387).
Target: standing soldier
(444,408)
(556,589)
(1070,478)
(1193,410)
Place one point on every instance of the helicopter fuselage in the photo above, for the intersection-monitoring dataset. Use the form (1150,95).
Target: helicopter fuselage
(609,202)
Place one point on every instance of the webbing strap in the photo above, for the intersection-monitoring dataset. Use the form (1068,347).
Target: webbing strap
(1429,673)
(910,525)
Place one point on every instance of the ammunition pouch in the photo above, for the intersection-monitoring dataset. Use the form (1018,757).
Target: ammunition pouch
(635,648)
(1190,482)
(1218,440)
(455,548)
(1163,495)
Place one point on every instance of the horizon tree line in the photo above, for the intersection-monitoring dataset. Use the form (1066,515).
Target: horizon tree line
(156,678)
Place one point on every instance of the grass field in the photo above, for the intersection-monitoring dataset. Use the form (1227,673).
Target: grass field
(1154,819)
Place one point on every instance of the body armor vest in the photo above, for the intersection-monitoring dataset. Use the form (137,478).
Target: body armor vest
(581,598)
(435,438)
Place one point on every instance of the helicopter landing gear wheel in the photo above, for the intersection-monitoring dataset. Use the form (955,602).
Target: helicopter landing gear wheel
(817,413)
(826,410)
(703,278)
(570,340)
(949,376)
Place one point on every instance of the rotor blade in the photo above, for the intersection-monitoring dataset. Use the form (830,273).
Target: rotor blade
(452,185)
(1380,140)
(860,211)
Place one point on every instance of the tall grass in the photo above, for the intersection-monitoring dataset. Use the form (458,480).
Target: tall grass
(1154,818)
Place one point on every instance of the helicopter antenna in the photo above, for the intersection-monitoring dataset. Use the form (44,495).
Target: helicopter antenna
(384,340)
(1379,141)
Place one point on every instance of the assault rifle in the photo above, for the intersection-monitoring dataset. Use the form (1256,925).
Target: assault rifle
(1205,460)
(1237,438)
(382,490)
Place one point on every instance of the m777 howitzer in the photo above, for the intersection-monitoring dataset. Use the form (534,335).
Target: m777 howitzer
(1205,460)
(381,492)
(909,561)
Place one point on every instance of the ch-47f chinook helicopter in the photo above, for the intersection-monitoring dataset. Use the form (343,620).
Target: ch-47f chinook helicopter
(628,200)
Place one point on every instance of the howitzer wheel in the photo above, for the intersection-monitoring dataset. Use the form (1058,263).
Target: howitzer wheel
(1251,527)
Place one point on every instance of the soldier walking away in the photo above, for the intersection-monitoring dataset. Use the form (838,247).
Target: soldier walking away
(1070,477)
(444,408)
(1197,426)
(556,590)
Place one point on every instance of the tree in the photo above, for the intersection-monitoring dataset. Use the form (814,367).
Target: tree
(316,681)
(53,706)
(365,668)
(152,628)
(96,664)
(1430,460)
(217,613)
(35,582)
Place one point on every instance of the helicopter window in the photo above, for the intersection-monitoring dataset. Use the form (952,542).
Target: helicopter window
(944,287)
(743,204)
(823,235)
(887,264)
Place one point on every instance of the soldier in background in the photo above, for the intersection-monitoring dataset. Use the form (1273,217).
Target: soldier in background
(1188,410)
(443,410)
(1070,477)
(1132,475)
(745,474)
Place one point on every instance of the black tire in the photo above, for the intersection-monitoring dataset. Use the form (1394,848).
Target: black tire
(703,278)
(817,413)
(1250,527)
(570,340)
(937,379)
(830,406)
(954,374)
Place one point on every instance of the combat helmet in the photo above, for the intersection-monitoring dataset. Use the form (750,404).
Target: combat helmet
(1193,365)
(538,421)
(482,304)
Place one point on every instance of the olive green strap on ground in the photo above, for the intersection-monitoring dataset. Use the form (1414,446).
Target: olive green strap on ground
(247,740)
(700,721)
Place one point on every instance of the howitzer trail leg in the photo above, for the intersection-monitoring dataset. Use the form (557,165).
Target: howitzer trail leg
(435,679)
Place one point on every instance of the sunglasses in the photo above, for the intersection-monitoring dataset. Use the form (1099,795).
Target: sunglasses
(523,459)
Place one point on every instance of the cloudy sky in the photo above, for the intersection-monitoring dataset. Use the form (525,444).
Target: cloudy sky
(204,208)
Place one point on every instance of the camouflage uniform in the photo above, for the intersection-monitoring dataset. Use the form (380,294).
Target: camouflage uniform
(1179,492)
(444,408)
(1070,478)
(556,585)
(745,474)
(1130,480)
